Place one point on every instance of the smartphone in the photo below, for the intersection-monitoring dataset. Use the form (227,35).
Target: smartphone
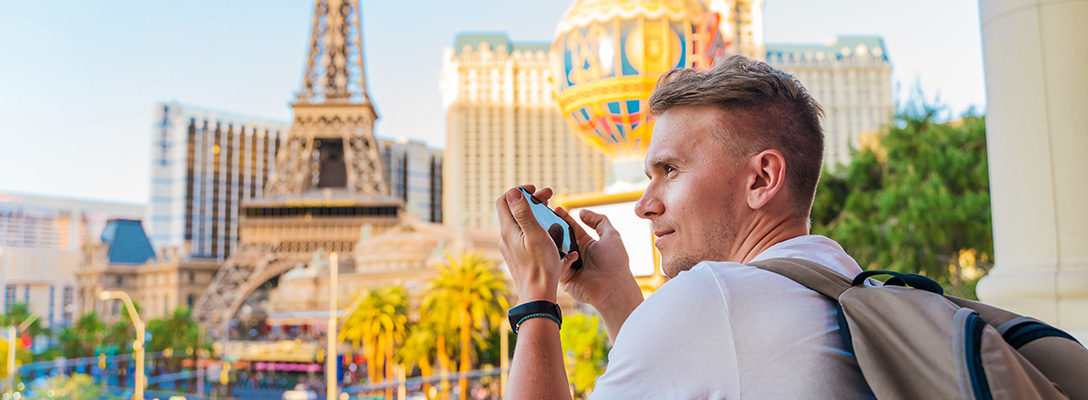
(561,232)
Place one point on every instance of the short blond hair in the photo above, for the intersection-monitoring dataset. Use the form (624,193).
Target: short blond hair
(773,108)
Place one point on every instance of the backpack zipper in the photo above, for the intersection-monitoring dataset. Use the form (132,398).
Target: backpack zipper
(973,352)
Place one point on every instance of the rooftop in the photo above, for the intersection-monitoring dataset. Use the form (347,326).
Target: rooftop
(495,39)
(127,241)
(843,46)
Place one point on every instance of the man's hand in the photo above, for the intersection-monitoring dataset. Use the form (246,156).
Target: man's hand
(528,249)
(536,371)
(605,280)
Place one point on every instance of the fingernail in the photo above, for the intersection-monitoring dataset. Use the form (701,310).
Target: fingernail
(511,196)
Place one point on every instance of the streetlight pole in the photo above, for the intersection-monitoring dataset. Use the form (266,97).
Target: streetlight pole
(11,361)
(331,336)
(138,344)
(12,332)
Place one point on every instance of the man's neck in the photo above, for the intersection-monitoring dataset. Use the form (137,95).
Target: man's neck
(763,232)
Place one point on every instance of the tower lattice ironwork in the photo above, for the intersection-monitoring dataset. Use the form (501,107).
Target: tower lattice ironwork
(334,116)
(328,183)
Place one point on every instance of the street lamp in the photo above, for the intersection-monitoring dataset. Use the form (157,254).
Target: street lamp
(138,344)
(331,339)
(12,332)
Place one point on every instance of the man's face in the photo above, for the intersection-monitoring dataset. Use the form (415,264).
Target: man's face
(696,189)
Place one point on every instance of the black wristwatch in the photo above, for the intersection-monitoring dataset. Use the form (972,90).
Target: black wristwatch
(534,309)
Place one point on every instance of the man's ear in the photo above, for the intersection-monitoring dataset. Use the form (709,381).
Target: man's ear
(767,176)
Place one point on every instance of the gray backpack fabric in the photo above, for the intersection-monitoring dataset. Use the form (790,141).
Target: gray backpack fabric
(913,342)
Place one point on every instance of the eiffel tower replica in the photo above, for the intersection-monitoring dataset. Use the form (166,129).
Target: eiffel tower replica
(328,189)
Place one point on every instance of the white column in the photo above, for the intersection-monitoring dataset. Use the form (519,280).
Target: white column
(1036,60)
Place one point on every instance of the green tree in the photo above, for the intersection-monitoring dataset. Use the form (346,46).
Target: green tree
(918,202)
(81,338)
(420,349)
(17,314)
(585,347)
(177,332)
(121,333)
(469,294)
(177,336)
(377,326)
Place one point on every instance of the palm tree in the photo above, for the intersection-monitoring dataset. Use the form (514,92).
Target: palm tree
(18,313)
(178,331)
(377,325)
(79,339)
(420,349)
(177,336)
(469,293)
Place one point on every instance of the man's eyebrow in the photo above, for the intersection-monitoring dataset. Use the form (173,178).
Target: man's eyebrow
(660,162)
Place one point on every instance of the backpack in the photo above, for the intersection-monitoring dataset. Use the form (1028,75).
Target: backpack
(913,342)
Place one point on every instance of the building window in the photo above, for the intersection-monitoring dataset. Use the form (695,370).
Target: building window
(52,303)
(192,277)
(9,297)
(66,303)
(119,280)
(190,300)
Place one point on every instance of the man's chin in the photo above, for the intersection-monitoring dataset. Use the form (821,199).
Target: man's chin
(672,266)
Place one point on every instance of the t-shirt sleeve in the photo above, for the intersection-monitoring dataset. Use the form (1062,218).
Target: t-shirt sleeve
(676,344)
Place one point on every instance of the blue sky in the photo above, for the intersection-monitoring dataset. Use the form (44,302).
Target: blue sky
(79,79)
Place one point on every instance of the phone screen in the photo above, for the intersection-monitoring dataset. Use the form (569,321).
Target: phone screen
(560,231)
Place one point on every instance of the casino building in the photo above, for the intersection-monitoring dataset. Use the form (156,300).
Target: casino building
(505,127)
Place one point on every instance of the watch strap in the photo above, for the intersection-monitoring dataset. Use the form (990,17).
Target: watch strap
(534,309)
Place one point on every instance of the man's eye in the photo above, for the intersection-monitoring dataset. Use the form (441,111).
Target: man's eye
(669,169)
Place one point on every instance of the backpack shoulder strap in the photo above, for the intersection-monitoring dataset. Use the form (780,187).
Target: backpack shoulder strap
(812,275)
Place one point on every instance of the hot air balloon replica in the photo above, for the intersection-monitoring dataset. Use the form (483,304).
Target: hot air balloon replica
(606,58)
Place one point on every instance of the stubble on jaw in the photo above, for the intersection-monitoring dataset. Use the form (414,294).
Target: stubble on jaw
(714,247)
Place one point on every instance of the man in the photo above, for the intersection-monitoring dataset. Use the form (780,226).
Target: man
(732,167)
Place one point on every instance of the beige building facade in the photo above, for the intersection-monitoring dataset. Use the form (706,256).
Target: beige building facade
(124,260)
(158,287)
(504,128)
(851,78)
(40,250)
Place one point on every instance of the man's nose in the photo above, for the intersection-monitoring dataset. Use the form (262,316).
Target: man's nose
(648,206)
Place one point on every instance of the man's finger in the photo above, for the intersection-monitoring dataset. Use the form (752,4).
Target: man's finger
(506,218)
(599,222)
(580,234)
(543,195)
(522,213)
(568,260)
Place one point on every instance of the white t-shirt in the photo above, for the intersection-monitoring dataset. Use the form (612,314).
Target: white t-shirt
(731,331)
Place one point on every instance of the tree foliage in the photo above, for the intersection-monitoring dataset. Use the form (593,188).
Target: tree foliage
(81,338)
(585,345)
(469,296)
(17,314)
(918,202)
(377,325)
(178,332)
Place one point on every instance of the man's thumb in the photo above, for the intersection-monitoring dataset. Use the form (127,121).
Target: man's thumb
(599,222)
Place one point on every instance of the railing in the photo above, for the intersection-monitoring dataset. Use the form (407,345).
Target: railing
(417,381)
